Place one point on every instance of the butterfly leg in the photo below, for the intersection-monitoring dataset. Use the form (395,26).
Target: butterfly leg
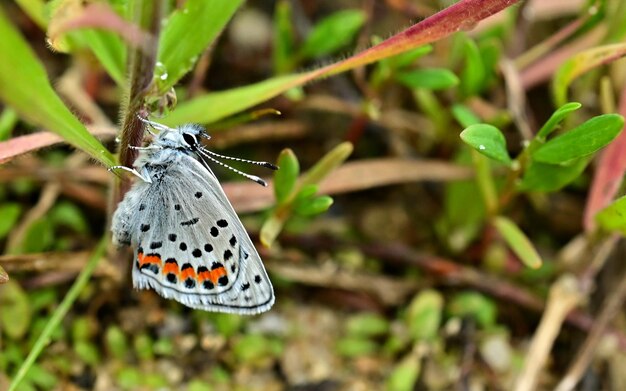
(132,171)
(148,148)
(155,125)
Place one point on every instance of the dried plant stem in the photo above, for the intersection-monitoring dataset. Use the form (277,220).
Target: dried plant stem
(565,295)
(610,309)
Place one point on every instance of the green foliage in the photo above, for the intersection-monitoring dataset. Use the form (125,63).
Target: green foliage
(555,119)
(285,178)
(197,24)
(424,315)
(332,33)
(429,78)
(367,325)
(581,141)
(487,140)
(474,305)
(613,217)
(10,212)
(301,198)
(519,243)
(39,103)
(15,310)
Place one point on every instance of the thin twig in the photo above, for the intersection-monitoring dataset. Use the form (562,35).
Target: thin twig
(611,308)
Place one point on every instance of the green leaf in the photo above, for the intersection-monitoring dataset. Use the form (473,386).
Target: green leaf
(332,33)
(356,347)
(424,315)
(285,178)
(406,59)
(42,377)
(327,164)
(116,342)
(429,78)
(581,63)
(10,212)
(25,87)
(613,217)
(316,206)
(188,32)
(282,53)
(518,242)
(67,214)
(487,140)
(15,311)
(550,177)
(473,73)
(404,374)
(581,141)
(464,115)
(38,237)
(87,352)
(475,305)
(556,118)
(367,325)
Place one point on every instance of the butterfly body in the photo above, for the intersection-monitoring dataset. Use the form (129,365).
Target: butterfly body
(189,245)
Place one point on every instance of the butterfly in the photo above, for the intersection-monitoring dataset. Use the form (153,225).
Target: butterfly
(189,244)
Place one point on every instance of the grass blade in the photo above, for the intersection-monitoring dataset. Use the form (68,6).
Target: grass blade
(60,312)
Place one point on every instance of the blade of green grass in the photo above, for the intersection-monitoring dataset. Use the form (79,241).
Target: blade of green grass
(38,102)
(60,312)
(581,63)
(212,107)
(188,33)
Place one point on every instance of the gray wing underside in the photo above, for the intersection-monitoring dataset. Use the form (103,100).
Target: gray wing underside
(181,216)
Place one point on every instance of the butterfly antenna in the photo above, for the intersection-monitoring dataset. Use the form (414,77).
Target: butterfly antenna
(254,178)
(257,163)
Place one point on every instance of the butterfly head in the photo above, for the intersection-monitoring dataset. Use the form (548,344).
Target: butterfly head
(183,137)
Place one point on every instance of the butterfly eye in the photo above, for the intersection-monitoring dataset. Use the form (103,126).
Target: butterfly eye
(190,139)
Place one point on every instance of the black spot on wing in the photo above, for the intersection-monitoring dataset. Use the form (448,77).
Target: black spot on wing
(233,241)
(214,232)
(155,245)
(190,283)
(177,206)
(208,248)
(222,281)
(198,194)
(172,237)
(257,279)
(171,277)
(245,286)
(182,246)
(228,255)
(142,207)
(190,222)
(208,285)
(222,223)
(145,227)
(196,253)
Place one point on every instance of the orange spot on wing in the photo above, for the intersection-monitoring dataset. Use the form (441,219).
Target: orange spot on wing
(187,273)
(170,267)
(145,259)
(215,274)
(203,276)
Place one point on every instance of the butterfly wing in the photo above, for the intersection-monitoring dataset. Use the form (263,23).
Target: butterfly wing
(189,244)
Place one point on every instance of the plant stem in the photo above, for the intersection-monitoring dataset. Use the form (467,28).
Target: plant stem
(60,312)
(148,15)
